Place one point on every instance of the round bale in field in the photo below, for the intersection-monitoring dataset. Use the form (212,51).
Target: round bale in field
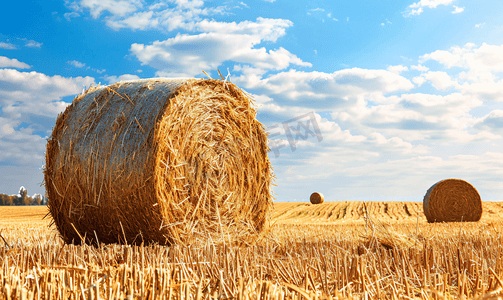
(452,200)
(317,198)
(159,160)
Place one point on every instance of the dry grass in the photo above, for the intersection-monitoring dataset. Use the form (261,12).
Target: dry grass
(350,259)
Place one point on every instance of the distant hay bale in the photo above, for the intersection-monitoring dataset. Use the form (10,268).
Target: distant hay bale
(159,160)
(317,198)
(452,200)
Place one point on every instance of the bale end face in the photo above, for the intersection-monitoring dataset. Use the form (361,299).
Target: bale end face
(452,200)
(317,198)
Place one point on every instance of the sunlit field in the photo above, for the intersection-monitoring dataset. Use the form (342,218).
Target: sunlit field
(332,250)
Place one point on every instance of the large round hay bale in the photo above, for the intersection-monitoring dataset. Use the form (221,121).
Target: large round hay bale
(317,198)
(159,160)
(452,200)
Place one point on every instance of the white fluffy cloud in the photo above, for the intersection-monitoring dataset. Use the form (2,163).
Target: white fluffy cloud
(397,69)
(76,63)
(170,15)
(21,147)
(179,14)
(114,7)
(70,15)
(492,122)
(486,58)
(454,57)
(419,80)
(263,28)
(324,91)
(161,16)
(32,44)
(36,93)
(483,67)
(419,67)
(431,3)
(80,65)
(417,117)
(6,62)
(8,46)
(458,10)
(487,90)
(124,77)
(36,99)
(417,7)
(373,143)
(364,118)
(187,55)
(440,80)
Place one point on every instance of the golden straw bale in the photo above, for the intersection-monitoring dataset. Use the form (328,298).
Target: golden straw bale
(317,198)
(159,160)
(452,200)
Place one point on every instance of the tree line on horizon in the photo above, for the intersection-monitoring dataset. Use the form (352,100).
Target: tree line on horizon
(22,198)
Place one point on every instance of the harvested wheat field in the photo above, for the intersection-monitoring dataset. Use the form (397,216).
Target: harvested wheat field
(353,211)
(324,251)
(23,215)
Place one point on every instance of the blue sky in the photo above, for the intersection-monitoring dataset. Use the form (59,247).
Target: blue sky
(383,98)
